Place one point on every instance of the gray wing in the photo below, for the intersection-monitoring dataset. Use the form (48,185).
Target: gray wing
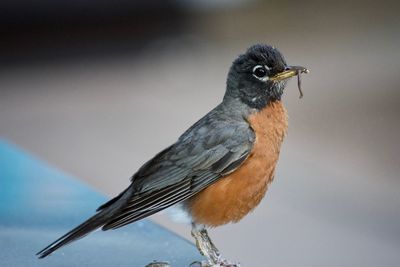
(209,150)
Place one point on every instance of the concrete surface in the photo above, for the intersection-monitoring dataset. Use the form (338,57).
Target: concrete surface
(335,199)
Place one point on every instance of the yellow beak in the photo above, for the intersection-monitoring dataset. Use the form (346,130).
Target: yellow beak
(289,72)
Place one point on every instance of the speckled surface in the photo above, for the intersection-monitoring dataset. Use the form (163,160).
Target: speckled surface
(38,203)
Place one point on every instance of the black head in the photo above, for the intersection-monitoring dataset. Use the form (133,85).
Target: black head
(253,76)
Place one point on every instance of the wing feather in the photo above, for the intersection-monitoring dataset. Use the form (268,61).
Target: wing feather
(184,169)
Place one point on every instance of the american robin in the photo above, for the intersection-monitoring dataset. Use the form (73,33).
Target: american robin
(220,168)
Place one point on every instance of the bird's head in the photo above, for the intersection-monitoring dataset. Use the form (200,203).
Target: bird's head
(259,76)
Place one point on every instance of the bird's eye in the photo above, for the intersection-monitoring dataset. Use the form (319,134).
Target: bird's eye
(260,72)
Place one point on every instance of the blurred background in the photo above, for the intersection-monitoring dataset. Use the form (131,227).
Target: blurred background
(96,88)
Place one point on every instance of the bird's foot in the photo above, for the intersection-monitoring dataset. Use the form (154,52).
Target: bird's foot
(220,263)
(224,263)
(158,264)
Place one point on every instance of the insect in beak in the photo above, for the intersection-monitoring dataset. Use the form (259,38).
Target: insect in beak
(291,71)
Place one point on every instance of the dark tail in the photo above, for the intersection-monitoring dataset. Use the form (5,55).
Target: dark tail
(85,228)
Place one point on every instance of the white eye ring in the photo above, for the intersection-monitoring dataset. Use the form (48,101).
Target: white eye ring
(261,78)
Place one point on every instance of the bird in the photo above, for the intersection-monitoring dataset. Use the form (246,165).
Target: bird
(220,168)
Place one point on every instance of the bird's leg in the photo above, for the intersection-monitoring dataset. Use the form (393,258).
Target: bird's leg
(207,247)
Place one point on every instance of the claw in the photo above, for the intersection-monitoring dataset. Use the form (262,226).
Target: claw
(223,263)
(158,264)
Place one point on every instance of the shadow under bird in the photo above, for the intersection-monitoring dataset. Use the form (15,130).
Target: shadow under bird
(220,168)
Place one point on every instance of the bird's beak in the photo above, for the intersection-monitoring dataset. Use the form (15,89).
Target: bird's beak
(289,71)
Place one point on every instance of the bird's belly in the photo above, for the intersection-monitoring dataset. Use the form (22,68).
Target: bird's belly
(232,197)
(235,195)
(178,214)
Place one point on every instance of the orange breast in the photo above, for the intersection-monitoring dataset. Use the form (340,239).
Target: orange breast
(235,195)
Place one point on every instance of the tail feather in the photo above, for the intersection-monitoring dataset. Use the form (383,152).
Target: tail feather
(80,231)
